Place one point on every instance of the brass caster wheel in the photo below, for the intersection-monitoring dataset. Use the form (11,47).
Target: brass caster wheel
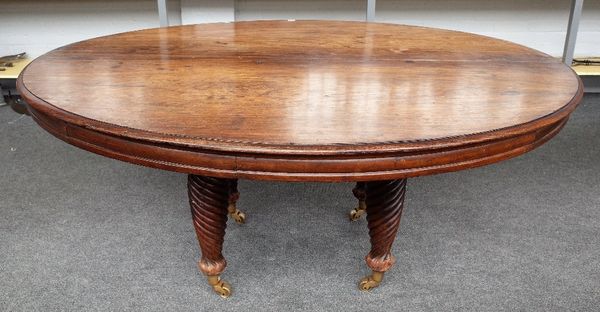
(368,283)
(219,286)
(371,281)
(236,214)
(357,212)
(223,289)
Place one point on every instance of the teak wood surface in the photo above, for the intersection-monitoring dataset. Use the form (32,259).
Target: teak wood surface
(301,100)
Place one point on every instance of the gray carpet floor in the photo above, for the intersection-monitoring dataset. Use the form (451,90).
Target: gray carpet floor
(79,232)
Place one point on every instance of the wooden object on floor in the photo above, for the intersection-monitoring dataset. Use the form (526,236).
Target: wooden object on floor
(301,101)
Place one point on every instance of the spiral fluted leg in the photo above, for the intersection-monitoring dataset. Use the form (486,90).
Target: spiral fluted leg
(209,198)
(385,200)
(234,195)
(360,194)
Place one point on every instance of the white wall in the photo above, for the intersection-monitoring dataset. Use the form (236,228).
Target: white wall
(540,24)
(207,11)
(37,26)
(301,9)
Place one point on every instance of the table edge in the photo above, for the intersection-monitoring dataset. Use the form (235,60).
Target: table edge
(299,163)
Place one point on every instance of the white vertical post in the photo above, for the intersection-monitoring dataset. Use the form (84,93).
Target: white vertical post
(573,28)
(370,15)
(163,13)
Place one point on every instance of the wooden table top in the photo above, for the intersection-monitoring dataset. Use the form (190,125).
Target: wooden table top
(301,100)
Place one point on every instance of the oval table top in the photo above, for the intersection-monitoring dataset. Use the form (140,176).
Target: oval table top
(301,100)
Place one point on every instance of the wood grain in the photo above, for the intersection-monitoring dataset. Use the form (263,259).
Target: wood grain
(301,101)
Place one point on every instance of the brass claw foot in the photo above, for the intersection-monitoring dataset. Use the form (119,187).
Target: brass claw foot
(371,281)
(357,212)
(236,214)
(219,286)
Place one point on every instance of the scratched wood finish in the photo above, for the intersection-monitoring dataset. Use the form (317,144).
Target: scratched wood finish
(301,101)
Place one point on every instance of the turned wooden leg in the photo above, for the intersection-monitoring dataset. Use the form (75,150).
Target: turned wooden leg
(234,195)
(385,200)
(209,198)
(360,194)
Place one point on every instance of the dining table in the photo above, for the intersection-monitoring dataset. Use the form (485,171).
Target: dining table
(373,104)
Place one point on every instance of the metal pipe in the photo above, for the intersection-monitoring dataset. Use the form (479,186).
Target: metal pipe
(370,14)
(573,28)
(163,13)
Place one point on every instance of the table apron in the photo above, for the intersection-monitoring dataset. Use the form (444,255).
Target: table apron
(325,168)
